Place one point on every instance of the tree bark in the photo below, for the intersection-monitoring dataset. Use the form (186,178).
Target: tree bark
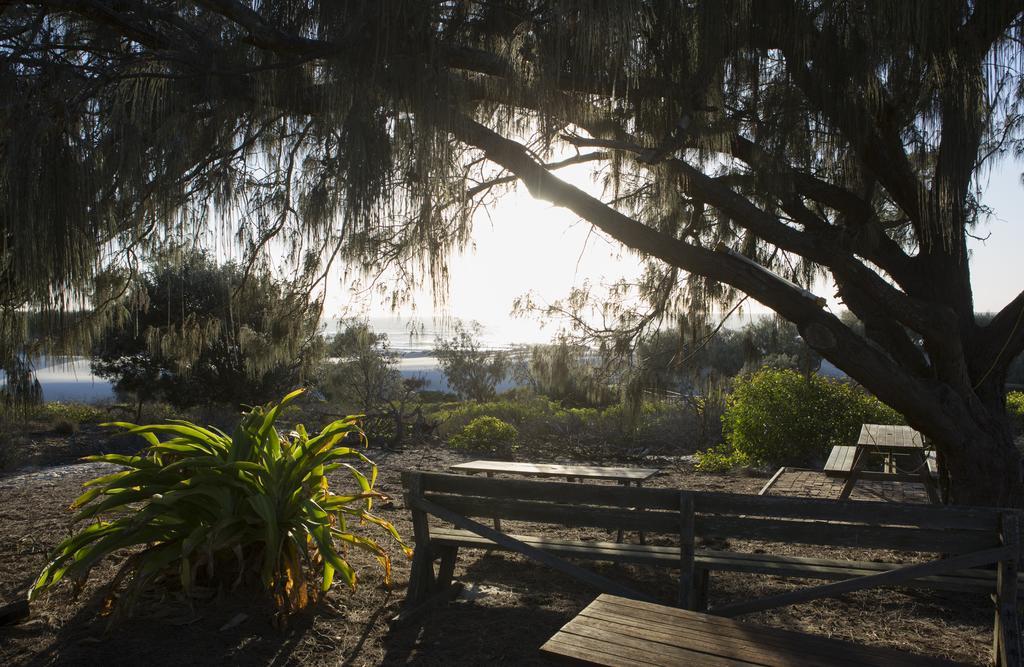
(983,463)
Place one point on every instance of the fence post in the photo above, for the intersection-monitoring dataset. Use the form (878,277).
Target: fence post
(1006,644)
(686,550)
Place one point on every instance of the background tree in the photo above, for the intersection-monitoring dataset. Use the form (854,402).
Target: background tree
(19,388)
(774,342)
(472,371)
(750,147)
(195,332)
(571,374)
(362,374)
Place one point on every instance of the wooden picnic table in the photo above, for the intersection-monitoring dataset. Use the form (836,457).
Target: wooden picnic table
(572,473)
(890,441)
(622,632)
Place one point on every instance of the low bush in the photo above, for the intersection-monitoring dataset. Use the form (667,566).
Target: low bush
(720,458)
(434,396)
(487,434)
(780,417)
(76,413)
(548,430)
(222,510)
(65,427)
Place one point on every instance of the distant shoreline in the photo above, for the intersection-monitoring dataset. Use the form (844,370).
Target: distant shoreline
(73,381)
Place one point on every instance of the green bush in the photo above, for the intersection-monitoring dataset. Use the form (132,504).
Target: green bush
(220,510)
(1015,409)
(720,458)
(548,430)
(781,417)
(487,434)
(76,413)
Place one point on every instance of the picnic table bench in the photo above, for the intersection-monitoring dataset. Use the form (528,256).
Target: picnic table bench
(969,539)
(841,458)
(891,441)
(620,632)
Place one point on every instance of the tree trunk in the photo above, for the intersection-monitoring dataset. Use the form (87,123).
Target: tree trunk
(983,463)
(984,472)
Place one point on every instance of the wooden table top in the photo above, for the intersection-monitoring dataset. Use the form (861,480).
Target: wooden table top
(888,436)
(622,632)
(558,470)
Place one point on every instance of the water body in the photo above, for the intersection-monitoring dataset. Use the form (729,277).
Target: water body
(72,380)
(414,341)
(69,380)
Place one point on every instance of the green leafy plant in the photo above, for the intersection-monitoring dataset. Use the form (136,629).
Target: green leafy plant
(547,429)
(228,508)
(76,413)
(487,434)
(1015,409)
(720,458)
(781,417)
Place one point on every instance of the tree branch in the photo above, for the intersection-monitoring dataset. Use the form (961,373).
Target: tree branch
(814,65)
(1001,341)
(551,166)
(822,330)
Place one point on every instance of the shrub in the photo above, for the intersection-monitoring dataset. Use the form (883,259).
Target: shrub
(65,427)
(780,417)
(434,396)
(720,458)
(204,504)
(1015,409)
(548,430)
(487,434)
(76,413)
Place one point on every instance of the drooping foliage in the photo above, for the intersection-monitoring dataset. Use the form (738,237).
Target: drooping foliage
(195,332)
(20,388)
(571,374)
(744,146)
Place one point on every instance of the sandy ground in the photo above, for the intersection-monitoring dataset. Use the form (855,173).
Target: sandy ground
(509,608)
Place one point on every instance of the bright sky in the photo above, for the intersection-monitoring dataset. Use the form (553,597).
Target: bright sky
(527,245)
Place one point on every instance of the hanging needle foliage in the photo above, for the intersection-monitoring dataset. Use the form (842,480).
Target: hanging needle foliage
(744,147)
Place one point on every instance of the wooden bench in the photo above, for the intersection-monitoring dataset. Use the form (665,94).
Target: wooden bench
(572,473)
(970,538)
(618,632)
(891,441)
(840,460)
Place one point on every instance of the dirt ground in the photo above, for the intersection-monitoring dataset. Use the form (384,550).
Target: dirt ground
(509,607)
